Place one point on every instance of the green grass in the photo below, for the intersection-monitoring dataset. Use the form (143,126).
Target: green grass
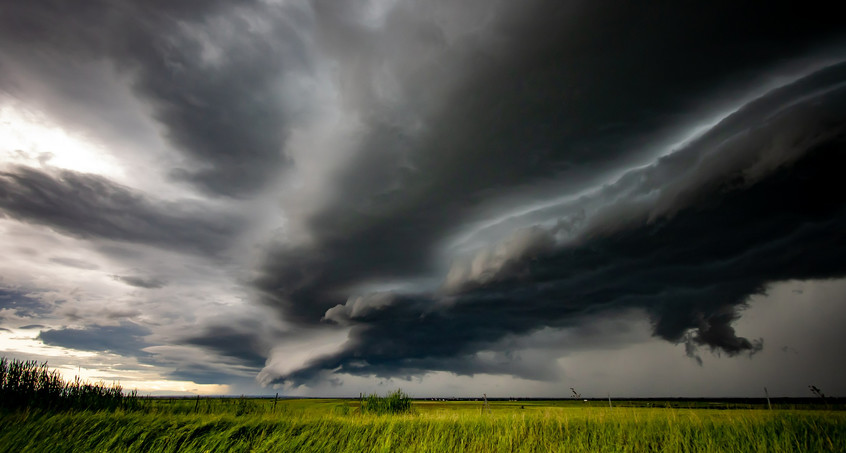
(29,385)
(338,425)
(397,402)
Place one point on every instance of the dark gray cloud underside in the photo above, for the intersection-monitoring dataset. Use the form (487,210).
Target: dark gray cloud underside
(230,119)
(694,270)
(23,304)
(248,348)
(92,207)
(206,374)
(570,90)
(125,339)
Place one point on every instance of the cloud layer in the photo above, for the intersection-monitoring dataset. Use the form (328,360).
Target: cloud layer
(321,192)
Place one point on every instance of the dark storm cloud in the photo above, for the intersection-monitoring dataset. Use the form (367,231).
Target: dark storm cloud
(441,120)
(125,339)
(540,93)
(92,207)
(687,240)
(231,119)
(210,71)
(24,304)
(248,347)
(747,145)
(140,282)
(203,374)
(743,241)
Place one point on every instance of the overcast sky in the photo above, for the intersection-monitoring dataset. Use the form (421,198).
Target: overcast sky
(452,197)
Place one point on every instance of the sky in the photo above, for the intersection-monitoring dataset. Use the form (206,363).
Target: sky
(323,198)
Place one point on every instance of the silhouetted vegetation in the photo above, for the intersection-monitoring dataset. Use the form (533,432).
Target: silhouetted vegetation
(28,384)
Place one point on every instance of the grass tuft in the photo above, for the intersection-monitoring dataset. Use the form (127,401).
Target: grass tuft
(397,402)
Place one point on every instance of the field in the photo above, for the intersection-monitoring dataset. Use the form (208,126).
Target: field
(337,425)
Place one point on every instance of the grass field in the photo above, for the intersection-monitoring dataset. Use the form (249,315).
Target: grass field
(336,425)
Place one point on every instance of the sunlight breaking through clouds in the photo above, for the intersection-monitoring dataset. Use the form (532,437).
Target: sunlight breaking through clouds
(29,138)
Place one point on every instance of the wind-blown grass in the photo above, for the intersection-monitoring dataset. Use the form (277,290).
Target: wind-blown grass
(34,418)
(306,425)
(28,384)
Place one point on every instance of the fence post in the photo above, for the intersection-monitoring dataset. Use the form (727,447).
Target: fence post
(767,394)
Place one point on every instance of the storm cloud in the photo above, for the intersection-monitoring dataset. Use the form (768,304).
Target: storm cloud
(667,237)
(744,241)
(90,206)
(322,192)
(212,73)
(530,112)
(126,339)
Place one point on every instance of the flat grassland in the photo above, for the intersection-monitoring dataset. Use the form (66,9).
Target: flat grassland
(260,425)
